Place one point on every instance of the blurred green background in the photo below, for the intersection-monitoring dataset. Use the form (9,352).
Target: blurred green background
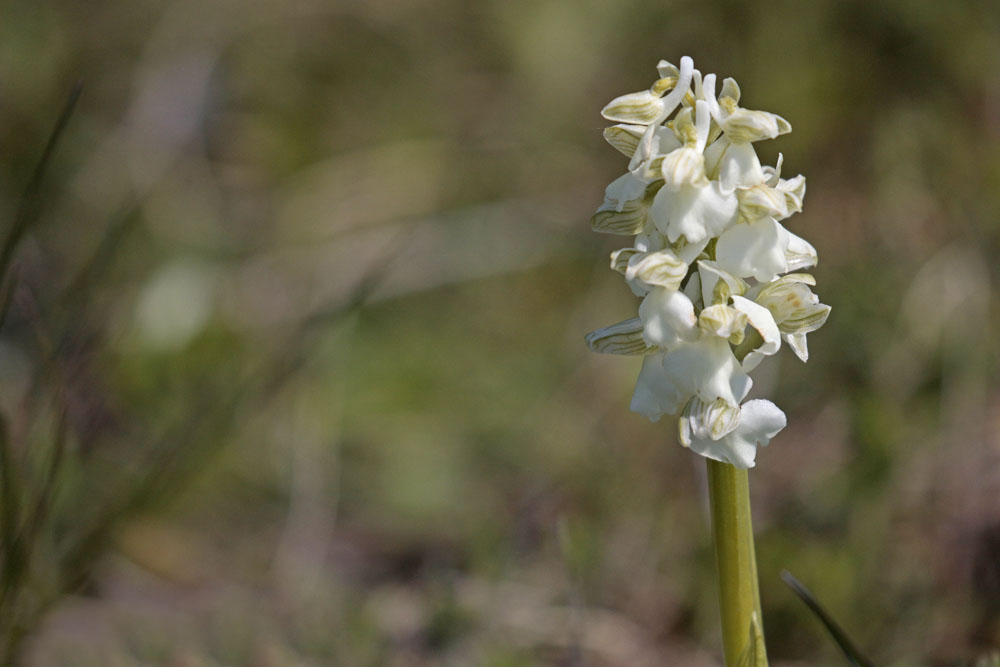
(305,304)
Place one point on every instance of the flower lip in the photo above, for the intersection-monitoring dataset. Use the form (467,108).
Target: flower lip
(757,422)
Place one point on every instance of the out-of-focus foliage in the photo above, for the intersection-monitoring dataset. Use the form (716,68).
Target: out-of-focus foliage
(346,244)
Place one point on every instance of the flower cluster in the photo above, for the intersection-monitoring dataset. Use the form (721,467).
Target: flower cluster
(716,269)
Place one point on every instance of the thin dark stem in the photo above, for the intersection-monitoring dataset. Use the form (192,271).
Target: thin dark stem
(851,651)
(31,204)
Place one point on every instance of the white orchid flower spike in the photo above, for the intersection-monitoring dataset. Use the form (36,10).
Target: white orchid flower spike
(710,259)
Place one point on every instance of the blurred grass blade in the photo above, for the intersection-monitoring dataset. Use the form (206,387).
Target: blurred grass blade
(31,204)
(47,491)
(7,284)
(854,656)
(9,518)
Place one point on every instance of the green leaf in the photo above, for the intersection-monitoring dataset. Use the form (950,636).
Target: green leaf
(851,652)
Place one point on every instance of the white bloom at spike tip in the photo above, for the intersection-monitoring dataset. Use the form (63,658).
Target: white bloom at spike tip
(732,155)
(709,259)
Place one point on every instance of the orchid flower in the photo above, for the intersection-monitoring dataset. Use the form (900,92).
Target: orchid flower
(708,260)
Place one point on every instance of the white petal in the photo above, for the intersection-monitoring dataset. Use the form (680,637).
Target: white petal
(766,293)
(638,288)
(644,151)
(718,208)
(668,317)
(621,257)
(655,394)
(621,338)
(760,318)
(728,449)
(625,138)
(752,360)
(807,320)
(684,167)
(706,367)
(655,143)
(687,251)
(665,139)
(708,90)
(632,219)
(663,84)
(773,174)
(685,219)
(800,253)
(739,166)
(756,250)
(693,288)
(762,201)
(759,422)
(744,126)
(701,420)
(626,205)
(650,242)
(794,190)
(661,210)
(675,96)
(625,188)
(798,344)
(718,285)
(667,69)
(640,108)
(730,89)
(741,385)
(696,213)
(662,269)
(702,123)
(795,308)
(722,321)
(714,154)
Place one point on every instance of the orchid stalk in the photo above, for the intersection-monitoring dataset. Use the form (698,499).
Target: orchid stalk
(720,282)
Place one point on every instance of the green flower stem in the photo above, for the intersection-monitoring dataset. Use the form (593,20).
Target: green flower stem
(739,596)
